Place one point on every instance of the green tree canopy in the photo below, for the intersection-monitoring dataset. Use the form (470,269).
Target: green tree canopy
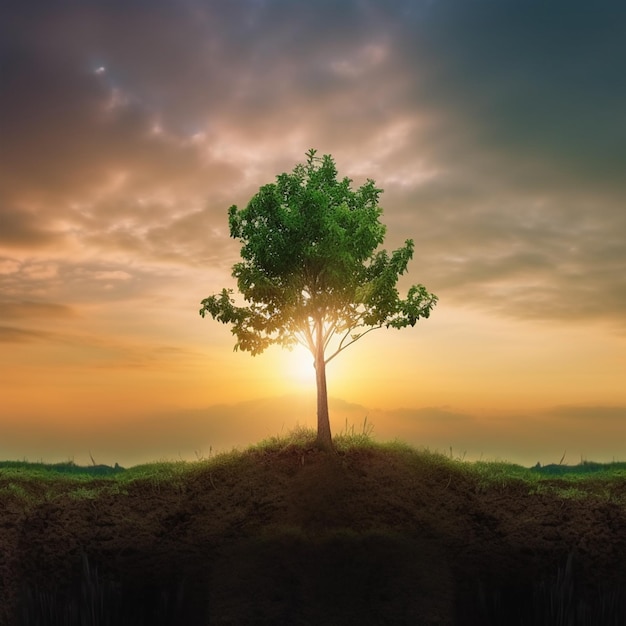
(311,272)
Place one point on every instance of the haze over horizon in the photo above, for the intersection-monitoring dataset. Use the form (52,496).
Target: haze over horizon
(496,129)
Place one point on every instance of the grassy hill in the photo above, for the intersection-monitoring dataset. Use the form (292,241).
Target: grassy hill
(282,533)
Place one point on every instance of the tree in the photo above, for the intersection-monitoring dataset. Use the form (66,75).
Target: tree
(311,273)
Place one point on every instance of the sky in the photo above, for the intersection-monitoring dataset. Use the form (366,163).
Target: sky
(497,129)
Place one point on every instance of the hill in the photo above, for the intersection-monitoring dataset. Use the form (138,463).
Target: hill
(285,534)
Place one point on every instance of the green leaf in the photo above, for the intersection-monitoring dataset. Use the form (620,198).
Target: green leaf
(309,253)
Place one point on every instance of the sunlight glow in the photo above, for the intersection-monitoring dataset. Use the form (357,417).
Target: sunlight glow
(299,368)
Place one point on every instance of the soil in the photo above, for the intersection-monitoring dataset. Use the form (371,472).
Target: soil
(297,536)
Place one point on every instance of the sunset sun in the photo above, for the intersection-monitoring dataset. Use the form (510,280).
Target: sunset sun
(299,367)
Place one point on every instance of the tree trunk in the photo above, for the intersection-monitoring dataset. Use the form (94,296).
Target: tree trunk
(324,438)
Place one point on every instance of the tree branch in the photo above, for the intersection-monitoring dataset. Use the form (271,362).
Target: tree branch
(329,335)
(310,344)
(341,347)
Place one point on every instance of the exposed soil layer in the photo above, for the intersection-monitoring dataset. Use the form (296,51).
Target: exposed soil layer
(296,536)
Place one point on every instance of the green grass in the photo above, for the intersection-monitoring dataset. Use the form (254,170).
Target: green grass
(33,482)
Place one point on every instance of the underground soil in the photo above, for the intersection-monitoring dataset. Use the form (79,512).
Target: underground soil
(297,536)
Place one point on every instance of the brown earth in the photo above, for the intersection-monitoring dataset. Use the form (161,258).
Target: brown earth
(294,536)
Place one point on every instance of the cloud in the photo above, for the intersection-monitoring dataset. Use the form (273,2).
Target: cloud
(19,310)
(497,131)
(112,275)
(39,271)
(599,413)
(8,266)
(13,334)
(23,229)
